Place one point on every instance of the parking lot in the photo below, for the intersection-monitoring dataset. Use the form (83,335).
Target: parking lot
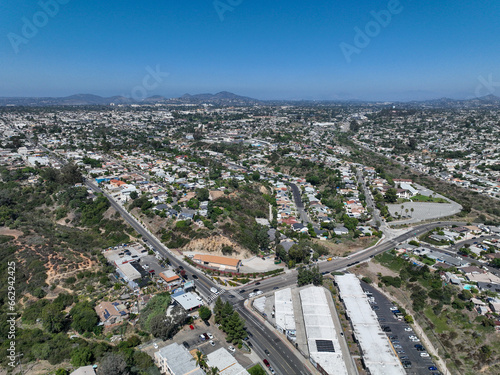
(398,332)
(150,263)
(192,340)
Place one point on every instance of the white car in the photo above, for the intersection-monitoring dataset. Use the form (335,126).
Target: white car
(212,342)
(408,329)
(213,290)
(210,336)
(251,295)
(231,348)
(155,345)
(259,293)
(424,354)
(393,308)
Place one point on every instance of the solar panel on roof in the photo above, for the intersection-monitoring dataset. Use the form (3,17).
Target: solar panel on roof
(325,346)
(123,313)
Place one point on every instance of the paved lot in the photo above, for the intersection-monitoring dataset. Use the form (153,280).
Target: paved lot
(424,211)
(419,365)
(192,337)
(149,263)
(257,264)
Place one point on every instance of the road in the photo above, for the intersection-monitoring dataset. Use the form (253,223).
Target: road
(299,204)
(282,358)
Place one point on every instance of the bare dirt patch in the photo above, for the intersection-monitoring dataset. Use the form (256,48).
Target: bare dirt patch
(5,231)
(213,246)
(347,246)
(372,269)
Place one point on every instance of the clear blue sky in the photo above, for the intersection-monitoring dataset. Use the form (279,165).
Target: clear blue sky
(287,49)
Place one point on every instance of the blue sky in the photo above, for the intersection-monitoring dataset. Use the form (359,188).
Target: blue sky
(265,49)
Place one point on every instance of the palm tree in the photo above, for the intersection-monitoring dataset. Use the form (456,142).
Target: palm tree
(406,210)
(200,360)
(412,209)
(402,207)
(213,371)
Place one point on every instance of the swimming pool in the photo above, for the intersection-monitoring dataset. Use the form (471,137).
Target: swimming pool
(468,286)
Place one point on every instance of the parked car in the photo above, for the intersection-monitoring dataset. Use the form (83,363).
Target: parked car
(266,362)
(432,368)
(231,349)
(424,354)
(212,342)
(186,345)
(210,336)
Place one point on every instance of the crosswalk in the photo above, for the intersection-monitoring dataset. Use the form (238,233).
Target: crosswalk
(214,296)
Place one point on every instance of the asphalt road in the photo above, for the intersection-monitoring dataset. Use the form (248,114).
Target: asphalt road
(299,204)
(282,359)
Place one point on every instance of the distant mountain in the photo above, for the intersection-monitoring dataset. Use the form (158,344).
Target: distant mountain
(489,100)
(227,98)
(78,99)
(221,98)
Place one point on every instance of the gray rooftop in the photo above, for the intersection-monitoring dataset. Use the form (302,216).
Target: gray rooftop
(179,360)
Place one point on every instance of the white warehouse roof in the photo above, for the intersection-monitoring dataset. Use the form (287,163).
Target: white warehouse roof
(378,354)
(322,339)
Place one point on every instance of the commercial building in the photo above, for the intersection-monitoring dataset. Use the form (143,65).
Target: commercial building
(225,362)
(171,278)
(188,301)
(214,261)
(377,352)
(322,339)
(285,319)
(174,359)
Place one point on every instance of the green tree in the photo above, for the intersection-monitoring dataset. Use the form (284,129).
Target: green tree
(84,317)
(53,318)
(81,357)
(204,313)
(202,194)
(200,359)
(112,364)
(219,306)
(391,195)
